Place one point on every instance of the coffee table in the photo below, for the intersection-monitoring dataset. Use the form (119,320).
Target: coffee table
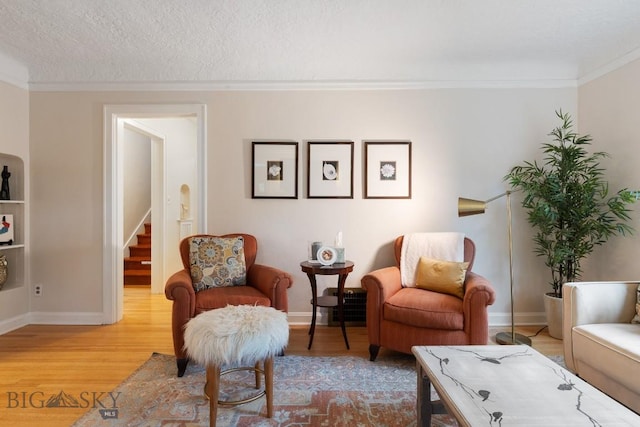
(511,385)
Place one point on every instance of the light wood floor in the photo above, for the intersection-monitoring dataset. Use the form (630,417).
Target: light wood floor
(38,361)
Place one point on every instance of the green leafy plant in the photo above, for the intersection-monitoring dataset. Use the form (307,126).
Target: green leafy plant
(567,201)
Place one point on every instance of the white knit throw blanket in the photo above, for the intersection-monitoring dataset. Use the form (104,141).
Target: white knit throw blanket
(447,246)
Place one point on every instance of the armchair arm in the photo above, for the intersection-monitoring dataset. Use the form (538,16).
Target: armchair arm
(180,290)
(380,285)
(477,296)
(272,282)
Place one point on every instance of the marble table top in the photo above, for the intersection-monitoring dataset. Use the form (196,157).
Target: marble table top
(510,385)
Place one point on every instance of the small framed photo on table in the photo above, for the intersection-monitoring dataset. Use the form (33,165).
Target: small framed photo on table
(330,170)
(274,172)
(387,170)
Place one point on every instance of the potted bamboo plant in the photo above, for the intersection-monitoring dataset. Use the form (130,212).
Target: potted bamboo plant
(568,203)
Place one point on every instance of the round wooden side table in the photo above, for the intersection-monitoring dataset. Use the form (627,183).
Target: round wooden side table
(342,270)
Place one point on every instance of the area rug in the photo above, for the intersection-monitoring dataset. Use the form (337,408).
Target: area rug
(309,391)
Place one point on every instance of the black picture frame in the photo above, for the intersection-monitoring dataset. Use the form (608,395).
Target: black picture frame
(274,171)
(330,169)
(387,170)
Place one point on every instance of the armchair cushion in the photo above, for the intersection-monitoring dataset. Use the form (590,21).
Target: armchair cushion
(425,309)
(216,262)
(213,298)
(442,276)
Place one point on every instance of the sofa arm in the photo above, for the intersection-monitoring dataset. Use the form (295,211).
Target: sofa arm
(586,303)
(380,286)
(180,290)
(272,282)
(478,295)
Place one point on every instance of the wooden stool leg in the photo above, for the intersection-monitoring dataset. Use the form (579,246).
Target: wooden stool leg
(268,385)
(258,382)
(212,390)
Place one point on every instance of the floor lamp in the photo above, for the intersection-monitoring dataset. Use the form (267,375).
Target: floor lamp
(468,207)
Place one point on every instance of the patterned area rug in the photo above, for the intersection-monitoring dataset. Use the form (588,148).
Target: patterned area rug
(309,391)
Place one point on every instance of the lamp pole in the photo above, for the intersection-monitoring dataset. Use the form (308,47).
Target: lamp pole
(473,207)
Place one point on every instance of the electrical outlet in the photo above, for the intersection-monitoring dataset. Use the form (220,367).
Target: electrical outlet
(37,290)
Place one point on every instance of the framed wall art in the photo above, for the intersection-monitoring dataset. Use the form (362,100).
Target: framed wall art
(330,170)
(387,170)
(274,172)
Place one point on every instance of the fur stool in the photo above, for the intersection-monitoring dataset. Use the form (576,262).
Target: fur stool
(239,336)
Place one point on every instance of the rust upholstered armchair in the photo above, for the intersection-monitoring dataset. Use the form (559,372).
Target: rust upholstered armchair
(399,318)
(266,286)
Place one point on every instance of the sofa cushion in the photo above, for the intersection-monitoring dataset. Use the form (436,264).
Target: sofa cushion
(216,262)
(442,276)
(424,309)
(612,348)
(213,298)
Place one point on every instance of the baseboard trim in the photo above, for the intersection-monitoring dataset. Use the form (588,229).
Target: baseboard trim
(294,318)
(67,318)
(523,319)
(14,323)
(495,319)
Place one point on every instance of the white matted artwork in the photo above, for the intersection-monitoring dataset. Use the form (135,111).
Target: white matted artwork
(330,170)
(387,170)
(6,229)
(274,173)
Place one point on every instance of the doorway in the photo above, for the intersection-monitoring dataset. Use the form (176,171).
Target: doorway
(115,119)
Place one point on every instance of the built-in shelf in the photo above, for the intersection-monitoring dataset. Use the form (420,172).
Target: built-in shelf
(9,247)
(15,253)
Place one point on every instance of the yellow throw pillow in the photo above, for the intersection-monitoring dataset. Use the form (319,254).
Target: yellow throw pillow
(446,277)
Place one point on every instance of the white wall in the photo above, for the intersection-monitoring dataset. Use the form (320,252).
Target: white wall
(136,173)
(609,110)
(464,142)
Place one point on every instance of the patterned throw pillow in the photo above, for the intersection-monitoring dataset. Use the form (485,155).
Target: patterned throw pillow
(217,262)
(636,318)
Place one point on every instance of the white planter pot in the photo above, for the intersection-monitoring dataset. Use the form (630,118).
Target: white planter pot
(553,308)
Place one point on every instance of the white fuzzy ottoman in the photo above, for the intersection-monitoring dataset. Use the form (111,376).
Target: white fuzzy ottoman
(242,335)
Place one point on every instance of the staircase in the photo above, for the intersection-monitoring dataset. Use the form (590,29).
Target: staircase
(137,267)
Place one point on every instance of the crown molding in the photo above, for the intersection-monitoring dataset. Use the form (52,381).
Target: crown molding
(609,67)
(296,85)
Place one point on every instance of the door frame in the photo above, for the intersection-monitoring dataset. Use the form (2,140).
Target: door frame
(114,115)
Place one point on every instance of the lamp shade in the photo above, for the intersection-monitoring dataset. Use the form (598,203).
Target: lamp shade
(468,207)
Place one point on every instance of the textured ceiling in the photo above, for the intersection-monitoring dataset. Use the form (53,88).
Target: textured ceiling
(74,41)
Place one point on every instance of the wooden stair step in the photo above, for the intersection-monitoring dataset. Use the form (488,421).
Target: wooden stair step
(137,277)
(144,239)
(137,263)
(140,251)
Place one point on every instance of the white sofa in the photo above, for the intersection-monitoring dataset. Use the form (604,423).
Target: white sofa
(601,345)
